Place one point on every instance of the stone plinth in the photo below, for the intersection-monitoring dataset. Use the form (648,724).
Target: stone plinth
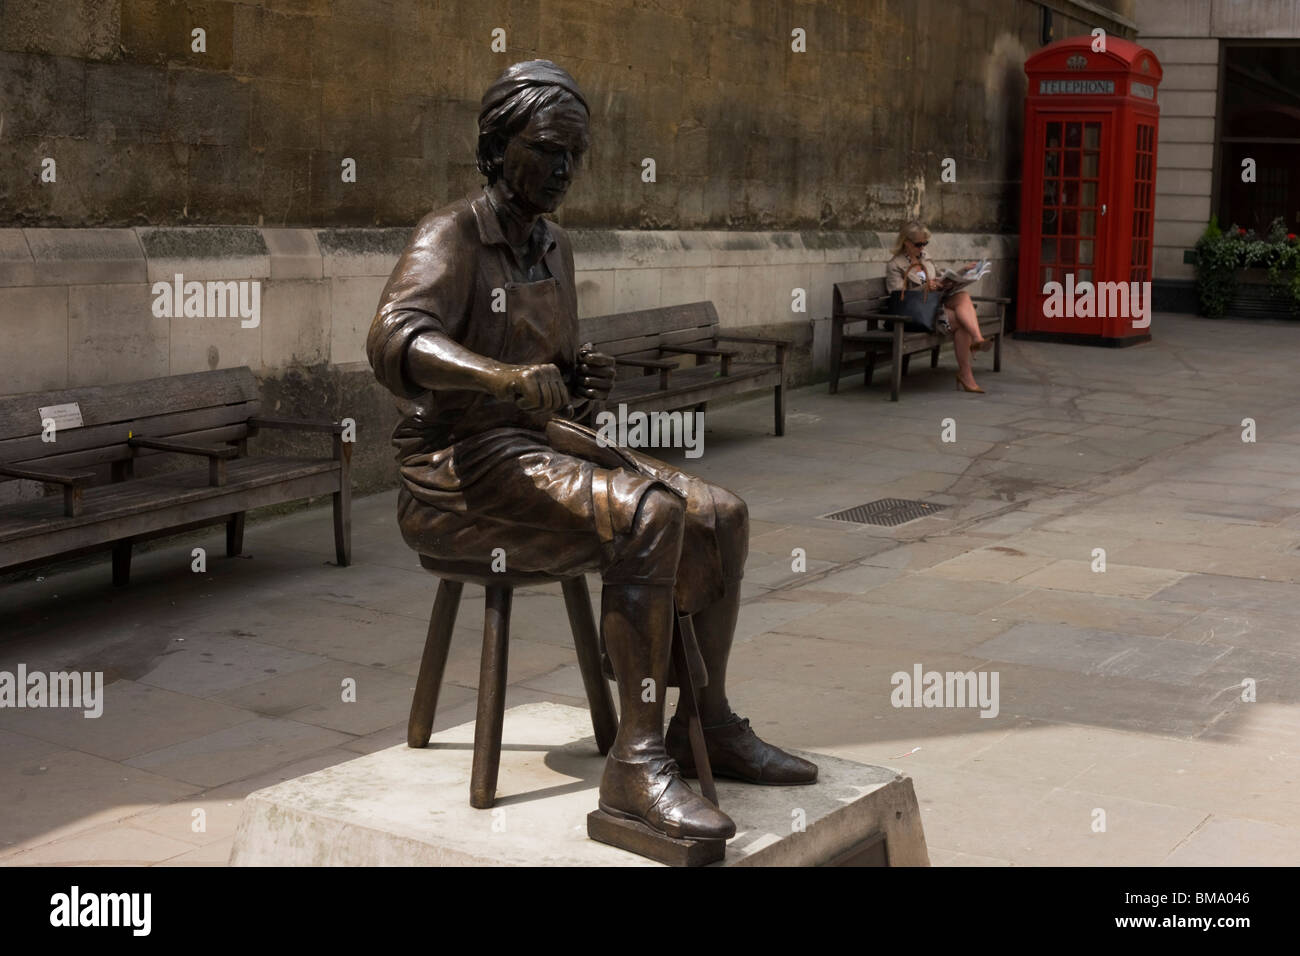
(411,807)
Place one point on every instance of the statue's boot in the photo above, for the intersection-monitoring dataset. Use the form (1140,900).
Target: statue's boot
(641,782)
(734,750)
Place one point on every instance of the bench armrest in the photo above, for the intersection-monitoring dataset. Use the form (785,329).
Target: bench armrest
(864,316)
(216,455)
(663,367)
(182,448)
(646,363)
(724,354)
(990,298)
(781,345)
(296,424)
(72,484)
(754,340)
(49,477)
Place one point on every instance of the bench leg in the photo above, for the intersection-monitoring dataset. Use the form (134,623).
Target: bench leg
(432,665)
(837,349)
(122,563)
(779,410)
(491,697)
(997,353)
(586,640)
(869,370)
(934,356)
(235,535)
(907,360)
(343,503)
(896,371)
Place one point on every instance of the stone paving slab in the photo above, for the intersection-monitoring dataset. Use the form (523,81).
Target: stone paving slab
(1119,691)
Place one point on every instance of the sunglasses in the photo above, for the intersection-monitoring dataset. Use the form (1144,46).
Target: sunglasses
(920,245)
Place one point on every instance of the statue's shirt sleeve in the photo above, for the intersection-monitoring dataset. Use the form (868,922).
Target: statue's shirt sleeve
(430,290)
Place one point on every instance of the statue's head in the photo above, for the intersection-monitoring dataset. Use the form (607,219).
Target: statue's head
(532,131)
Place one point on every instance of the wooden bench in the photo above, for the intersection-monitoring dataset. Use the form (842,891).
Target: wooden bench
(208,416)
(651,344)
(865,300)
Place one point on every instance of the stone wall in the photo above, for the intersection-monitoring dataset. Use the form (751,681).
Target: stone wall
(745,132)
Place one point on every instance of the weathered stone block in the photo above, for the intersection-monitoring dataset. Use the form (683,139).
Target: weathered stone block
(295,323)
(126,101)
(355,300)
(294,254)
(17,267)
(34,324)
(83,256)
(207,109)
(205,252)
(113,335)
(44,96)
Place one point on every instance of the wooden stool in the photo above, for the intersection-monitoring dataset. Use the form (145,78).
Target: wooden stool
(492,670)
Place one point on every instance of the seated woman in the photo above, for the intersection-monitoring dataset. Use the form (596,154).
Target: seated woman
(910,269)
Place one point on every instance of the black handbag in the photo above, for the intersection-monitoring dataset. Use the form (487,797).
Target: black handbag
(921,306)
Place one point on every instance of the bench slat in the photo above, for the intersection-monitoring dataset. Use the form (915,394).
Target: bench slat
(107,503)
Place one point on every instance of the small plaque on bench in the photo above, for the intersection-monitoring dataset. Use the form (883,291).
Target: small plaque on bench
(64,416)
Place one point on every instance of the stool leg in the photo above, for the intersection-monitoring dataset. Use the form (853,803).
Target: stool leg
(586,641)
(425,702)
(491,697)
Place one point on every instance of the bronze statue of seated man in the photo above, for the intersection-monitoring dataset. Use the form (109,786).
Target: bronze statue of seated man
(477,333)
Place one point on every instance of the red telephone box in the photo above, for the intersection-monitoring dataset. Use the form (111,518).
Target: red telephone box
(1088,192)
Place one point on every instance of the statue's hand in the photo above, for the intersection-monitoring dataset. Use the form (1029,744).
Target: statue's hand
(536,388)
(595,378)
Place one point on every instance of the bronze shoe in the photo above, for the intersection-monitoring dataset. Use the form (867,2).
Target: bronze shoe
(737,753)
(654,793)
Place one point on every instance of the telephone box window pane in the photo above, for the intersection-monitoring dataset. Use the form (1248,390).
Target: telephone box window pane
(1083,275)
(1067,250)
(1089,194)
(1085,252)
(1092,136)
(1053,135)
(1048,250)
(1051,193)
(1049,222)
(1047,275)
(1069,222)
(1087,223)
(1072,162)
(1052,164)
(1069,193)
(1137,194)
(1090,164)
(1073,134)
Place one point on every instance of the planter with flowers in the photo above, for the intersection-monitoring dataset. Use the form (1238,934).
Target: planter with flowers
(1241,273)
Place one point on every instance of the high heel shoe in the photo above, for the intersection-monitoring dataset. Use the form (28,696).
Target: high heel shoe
(966,388)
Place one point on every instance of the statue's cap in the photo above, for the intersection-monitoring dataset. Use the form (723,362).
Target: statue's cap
(530,73)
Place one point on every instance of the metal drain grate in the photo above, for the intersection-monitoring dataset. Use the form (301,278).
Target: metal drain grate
(886,511)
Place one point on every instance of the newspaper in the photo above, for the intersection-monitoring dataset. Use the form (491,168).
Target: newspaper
(971,274)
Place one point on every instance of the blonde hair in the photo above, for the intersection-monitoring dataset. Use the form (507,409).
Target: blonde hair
(913,230)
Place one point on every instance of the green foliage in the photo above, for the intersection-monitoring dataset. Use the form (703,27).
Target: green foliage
(1220,254)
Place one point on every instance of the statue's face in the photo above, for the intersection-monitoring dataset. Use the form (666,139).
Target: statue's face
(539,162)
